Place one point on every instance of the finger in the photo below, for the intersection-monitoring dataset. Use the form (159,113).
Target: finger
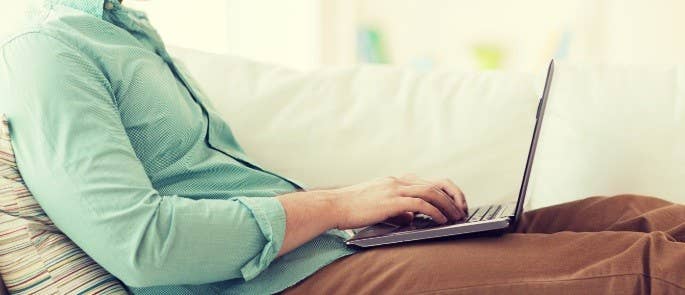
(450,201)
(435,197)
(423,207)
(455,192)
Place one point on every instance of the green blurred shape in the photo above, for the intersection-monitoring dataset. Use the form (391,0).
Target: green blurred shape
(488,56)
(370,45)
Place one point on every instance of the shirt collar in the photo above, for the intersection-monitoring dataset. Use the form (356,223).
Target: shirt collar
(93,7)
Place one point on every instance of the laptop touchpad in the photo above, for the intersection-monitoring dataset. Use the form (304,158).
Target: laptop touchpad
(376,230)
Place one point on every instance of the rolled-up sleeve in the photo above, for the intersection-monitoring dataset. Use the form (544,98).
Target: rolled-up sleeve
(76,158)
(270,216)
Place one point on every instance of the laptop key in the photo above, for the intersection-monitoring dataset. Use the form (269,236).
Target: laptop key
(479,215)
(472,215)
(494,213)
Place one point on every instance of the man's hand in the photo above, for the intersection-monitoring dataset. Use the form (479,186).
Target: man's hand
(310,213)
(398,198)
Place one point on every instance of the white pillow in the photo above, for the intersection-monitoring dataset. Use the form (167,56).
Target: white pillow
(612,130)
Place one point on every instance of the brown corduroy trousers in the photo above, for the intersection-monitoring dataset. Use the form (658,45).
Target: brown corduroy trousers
(601,245)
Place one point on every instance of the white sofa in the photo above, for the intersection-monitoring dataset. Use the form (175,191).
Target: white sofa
(609,130)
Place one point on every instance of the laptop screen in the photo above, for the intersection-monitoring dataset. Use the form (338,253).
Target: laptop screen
(542,105)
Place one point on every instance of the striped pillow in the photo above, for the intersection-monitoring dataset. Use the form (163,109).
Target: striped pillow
(35,256)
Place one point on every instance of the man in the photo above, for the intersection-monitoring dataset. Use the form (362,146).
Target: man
(129,159)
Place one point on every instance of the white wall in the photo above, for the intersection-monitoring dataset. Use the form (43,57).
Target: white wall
(310,33)
(645,32)
(283,32)
(192,24)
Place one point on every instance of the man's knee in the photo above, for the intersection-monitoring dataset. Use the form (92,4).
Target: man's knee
(639,202)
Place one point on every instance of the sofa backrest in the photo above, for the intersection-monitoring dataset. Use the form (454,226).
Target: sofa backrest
(608,131)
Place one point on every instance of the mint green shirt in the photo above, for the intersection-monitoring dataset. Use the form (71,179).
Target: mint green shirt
(127,156)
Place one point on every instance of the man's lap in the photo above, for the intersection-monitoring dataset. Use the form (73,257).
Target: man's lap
(546,257)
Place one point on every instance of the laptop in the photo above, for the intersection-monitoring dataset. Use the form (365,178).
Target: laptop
(492,219)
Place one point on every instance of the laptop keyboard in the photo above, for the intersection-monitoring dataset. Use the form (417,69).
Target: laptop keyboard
(484,213)
(478,214)
(423,221)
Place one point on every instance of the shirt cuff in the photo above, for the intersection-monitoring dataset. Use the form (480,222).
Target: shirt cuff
(270,217)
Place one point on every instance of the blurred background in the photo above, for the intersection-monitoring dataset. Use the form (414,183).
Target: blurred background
(517,35)
(487,34)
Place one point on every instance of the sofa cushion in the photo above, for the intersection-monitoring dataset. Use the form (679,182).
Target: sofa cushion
(35,256)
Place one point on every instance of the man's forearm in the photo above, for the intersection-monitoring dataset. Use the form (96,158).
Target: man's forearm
(308,214)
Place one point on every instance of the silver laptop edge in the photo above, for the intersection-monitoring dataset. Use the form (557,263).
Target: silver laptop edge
(506,219)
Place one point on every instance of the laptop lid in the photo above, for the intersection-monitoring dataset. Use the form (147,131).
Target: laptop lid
(542,105)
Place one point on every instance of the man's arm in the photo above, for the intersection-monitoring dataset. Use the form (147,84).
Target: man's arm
(76,158)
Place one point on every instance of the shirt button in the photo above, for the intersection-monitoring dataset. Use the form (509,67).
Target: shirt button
(109,5)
